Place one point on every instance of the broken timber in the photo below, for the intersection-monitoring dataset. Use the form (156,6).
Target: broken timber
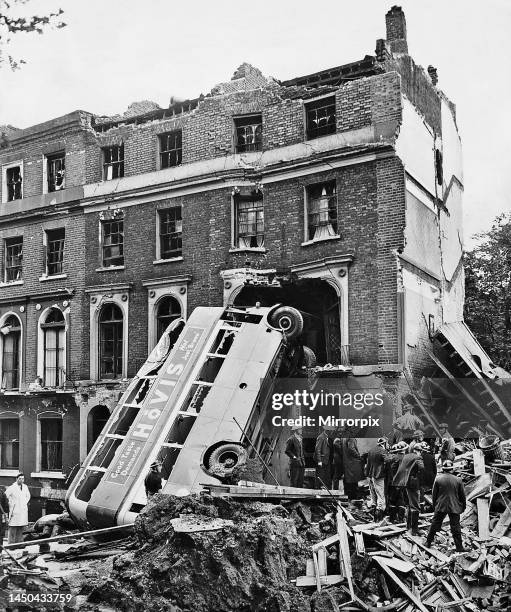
(483,506)
(413,598)
(271,492)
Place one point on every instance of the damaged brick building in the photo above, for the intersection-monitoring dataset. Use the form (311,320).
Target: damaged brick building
(338,193)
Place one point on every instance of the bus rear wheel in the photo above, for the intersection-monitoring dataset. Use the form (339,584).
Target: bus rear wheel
(221,459)
(287,319)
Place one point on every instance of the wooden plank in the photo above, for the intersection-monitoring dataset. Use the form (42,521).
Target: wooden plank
(194,524)
(483,506)
(324,543)
(359,544)
(316,570)
(397,564)
(303,581)
(70,536)
(432,551)
(415,600)
(344,550)
(502,525)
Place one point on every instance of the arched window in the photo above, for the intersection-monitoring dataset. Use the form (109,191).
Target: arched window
(54,333)
(96,420)
(110,341)
(167,310)
(11,339)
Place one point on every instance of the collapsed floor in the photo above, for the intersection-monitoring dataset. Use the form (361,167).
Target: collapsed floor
(257,547)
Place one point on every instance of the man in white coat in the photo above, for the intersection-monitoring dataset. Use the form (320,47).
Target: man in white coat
(18,496)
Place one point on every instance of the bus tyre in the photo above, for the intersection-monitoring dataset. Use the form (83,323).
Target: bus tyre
(224,459)
(289,320)
(309,358)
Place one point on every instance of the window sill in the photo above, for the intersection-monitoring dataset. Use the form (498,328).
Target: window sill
(49,277)
(247,250)
(9,472)
(55,475)
(109,269)
(11,283)
(317,240)
(157,262)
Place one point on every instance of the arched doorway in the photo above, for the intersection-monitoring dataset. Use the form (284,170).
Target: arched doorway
(319,303)
(96,421)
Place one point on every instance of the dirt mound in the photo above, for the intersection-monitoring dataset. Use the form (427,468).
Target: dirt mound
(246,565)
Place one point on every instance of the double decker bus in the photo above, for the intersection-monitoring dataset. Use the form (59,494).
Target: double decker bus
(196,401)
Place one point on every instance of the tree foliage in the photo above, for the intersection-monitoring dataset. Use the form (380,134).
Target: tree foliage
(13,21)
(488,290)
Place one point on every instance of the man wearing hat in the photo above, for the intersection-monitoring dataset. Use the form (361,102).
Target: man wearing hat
(408,478)
(294,450)
(396,503)
(153,480)
(418,437)
(322,458)
(375,471)
(448,498)
(446,443)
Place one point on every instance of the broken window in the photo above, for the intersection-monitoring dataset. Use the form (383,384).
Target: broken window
(167,310)
(249,212)
(55,240)
(320,118)
(55,172)
(321,211)
(113,162)
(51,444)
(9,444)
(13,259)
(171,232)
(113,243)
(171,149)
(10,337)
(54,332)
(13,182)
(110,341)
(248,133)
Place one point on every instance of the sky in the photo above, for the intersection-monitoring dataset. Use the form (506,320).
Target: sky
(114,52)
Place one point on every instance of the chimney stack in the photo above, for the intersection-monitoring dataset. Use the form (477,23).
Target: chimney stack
(396,30)
(433,74)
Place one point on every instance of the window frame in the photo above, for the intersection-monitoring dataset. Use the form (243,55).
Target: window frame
(104,245)
(7,267)
(307,212)
(257,145)
(178,150)
(113,163)
(319,103)
(49,159)
(48,416)
(18,352)
(12,416)
(60,350)
(118,336)
(237,235)
(5,168)
(160,252)
(171,318)
(47,241)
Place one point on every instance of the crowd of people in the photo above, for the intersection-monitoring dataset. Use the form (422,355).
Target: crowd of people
(400,473)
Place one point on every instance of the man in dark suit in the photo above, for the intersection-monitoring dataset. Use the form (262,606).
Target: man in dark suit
(322,459)
(408,478)
(375,471)
(294,450)
(448,498)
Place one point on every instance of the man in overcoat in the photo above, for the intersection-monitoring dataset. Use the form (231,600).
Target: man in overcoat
(408,478)
(322,459)
(352,464)
(294,450)
(375,471)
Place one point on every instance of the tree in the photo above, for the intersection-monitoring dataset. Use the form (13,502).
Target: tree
(488,290)
(12,22)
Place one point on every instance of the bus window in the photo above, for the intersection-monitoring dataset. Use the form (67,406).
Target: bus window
(86,488)
(223,342)
(180,429)
(106,452)
(210,369)
(139,391)
(195,398)
(167,457)
(126,418)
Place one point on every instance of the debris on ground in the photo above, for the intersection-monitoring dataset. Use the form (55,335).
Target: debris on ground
(251,547)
